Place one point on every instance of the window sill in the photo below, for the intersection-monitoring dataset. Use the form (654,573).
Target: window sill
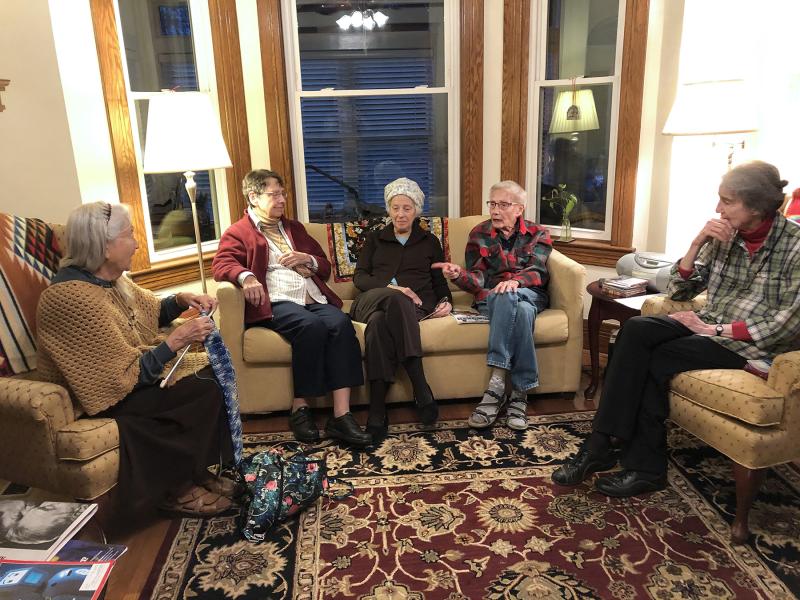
(590,252)
(172,272)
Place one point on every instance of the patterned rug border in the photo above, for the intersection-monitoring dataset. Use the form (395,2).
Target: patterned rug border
(181,546)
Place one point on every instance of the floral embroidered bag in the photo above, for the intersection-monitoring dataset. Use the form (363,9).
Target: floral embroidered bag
(280,486)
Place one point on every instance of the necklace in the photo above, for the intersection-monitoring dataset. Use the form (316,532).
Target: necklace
(141,330)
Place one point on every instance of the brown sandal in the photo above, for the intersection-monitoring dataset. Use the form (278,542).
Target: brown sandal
(196,502)
(221,485)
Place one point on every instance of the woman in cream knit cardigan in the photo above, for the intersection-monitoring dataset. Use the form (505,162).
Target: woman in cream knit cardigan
(98,337)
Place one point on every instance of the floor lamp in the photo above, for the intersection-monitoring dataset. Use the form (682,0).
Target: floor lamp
(183,136)
(713,108)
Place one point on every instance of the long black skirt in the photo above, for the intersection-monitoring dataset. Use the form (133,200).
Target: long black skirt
(168,437)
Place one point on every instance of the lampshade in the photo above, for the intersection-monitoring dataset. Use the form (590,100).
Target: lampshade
(183,134)
(712,107)
(587,113)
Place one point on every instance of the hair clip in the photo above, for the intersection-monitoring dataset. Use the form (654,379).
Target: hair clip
(107,211)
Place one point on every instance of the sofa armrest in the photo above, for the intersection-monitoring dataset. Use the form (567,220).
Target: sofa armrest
(784,375)
(35,401)
(567,282)
(662,305)
(230,316)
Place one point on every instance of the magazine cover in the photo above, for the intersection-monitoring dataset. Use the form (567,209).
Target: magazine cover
(33,580)
(37,530)
(80,551)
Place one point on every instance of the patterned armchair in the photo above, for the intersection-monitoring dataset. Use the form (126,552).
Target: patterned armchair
(753,422)
(43,441)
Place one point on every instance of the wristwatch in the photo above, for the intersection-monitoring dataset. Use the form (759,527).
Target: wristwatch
(718,329)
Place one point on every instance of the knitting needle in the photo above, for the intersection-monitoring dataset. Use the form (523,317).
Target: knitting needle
(180,358)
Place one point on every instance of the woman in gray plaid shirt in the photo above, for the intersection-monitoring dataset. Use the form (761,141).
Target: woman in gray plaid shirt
(748,260)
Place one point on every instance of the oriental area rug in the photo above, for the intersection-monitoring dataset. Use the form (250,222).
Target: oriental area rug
(456,514)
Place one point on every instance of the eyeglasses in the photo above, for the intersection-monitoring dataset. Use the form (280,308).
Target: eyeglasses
(279,194)
(500,205)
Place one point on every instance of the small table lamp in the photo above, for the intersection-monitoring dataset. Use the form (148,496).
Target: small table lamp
(183,136)
(713,108)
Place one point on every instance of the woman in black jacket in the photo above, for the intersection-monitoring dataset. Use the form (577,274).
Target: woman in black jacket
(399,288)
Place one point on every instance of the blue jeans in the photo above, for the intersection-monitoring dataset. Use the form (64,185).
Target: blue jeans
(511,319)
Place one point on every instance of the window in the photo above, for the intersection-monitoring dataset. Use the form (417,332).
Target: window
(575,99)
(371,100)
(161,52)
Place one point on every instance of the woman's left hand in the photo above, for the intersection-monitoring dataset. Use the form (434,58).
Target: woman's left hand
(294,258)
(202,302)
(442,310)
(691,321)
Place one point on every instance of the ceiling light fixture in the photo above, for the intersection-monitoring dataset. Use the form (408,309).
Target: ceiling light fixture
(368,19)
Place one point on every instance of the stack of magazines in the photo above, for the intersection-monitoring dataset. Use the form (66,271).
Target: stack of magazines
(623,286)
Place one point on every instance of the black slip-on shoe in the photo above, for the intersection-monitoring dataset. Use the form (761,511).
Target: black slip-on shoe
(427,409)
(346,429)
(301,422)
(583,465)
(630,483)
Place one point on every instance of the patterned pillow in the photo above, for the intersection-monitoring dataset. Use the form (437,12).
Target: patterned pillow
(29,257)
(345,240)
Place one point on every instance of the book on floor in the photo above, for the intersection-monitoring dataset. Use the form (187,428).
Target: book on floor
(37,530)
(31,580)
(464,316)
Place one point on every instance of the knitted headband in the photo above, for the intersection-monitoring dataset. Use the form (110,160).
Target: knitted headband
(405,187)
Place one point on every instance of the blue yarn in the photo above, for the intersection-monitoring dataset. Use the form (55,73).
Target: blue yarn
(220,360)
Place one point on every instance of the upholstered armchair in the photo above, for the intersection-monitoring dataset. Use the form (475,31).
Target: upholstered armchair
(753,422)
(44,442)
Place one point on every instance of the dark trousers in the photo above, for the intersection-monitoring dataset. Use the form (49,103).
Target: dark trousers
(392,333)
(325,352)
(634,405)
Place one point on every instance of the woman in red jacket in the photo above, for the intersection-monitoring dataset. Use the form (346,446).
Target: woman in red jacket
(282,272)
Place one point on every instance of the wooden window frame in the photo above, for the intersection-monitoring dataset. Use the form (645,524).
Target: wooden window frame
(516,27)
(233,118)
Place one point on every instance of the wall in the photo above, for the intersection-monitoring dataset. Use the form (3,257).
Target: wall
(38,175)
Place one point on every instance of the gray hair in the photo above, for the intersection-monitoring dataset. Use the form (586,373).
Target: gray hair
(256,181)
(405,187)
(89,228)
(513,188)
(758,185)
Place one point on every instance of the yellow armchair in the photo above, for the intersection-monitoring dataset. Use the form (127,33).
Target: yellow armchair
(751,421)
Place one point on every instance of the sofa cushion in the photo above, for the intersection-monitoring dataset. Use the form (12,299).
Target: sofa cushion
(85,439)
(731,392)
(439,336)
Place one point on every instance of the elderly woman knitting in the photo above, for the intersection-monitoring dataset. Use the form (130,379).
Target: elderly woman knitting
(98,336)
(399,287)
(282,272)
(506,258)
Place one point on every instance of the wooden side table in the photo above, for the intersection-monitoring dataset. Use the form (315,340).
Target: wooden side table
(603,308)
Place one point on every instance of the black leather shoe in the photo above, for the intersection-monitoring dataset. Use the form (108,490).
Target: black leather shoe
(630,483)
(346,429)
(301,422)
(582,466)
(427,408)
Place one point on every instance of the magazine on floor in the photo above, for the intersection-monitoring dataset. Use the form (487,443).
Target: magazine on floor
(37,530)
(45,579)
(466,316)
(80,551)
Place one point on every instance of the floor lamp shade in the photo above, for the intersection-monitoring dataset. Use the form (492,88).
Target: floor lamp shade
(183,134)
(712,108)
(586,115)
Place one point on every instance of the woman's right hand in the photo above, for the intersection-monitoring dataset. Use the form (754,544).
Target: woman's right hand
(408,292)
(718,229)
(253,291)
(190,332)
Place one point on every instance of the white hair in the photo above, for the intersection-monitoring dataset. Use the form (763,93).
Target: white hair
(513,188)
(89,228)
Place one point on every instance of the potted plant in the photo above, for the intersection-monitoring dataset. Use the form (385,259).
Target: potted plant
(563,202)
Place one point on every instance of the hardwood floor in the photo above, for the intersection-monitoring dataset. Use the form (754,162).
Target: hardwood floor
(144,539)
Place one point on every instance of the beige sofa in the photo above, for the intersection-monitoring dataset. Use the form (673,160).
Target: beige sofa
(455,355)
(751,421)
